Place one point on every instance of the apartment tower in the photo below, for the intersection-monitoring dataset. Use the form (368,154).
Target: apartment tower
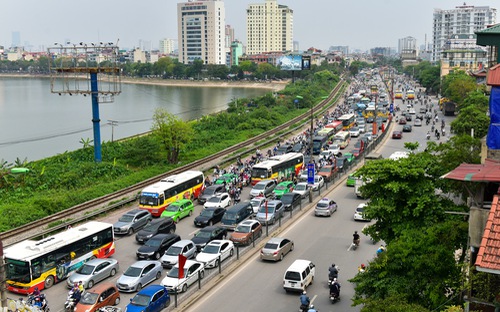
(269,28)
(201,31)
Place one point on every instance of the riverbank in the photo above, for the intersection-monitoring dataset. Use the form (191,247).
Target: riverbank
(272,85)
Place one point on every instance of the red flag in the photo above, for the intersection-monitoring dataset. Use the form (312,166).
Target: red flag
(182,262)
(383,127)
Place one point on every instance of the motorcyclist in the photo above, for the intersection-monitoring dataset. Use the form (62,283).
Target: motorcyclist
(428,135)
(304,301)
(355,238)
(362,268)
(333,272)
(312,309)
(335,288)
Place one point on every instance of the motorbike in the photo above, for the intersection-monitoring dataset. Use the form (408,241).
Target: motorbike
(71,301)
(39,301)
(334,297)
(428,136)
(237,198)
(355,244)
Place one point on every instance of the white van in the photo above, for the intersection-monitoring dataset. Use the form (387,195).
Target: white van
(299,275)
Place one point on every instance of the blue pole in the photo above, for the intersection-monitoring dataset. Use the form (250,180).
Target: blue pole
(95,117)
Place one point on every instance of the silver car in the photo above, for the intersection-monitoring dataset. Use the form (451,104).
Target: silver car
(276,248)
(92,272)
(132,221)
(138,275)
(275,210)
(186,247)
(303,189)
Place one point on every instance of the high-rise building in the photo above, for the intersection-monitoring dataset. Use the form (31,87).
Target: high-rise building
(201,31)
(463,20)
(342,49)
(407,44)
(229,36)
(269,28)
(166,46)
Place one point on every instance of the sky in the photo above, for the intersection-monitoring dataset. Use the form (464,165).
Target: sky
(360,24)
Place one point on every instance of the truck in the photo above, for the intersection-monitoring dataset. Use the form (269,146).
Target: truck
(449,108)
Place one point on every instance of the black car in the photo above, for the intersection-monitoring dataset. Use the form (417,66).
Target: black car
(407,128)
(408,117)
(208,234)
(209,216)
(209,192)
(370,120)
(297,148)
(342,162)
(156,246)
(283,149)
(157,226)
(291,200)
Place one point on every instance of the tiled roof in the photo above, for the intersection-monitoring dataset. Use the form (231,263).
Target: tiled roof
(490,30)
(493,77)
(488,258)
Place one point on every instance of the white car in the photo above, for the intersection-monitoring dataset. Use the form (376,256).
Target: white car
(303,189)
(334,149)
(399,154)
(193,270)
(218,201)
(359,213)
(325,207)
(412,111)
(362,128)
(211,252)
(325,154)
(318,182)
(354,132)
(256,203)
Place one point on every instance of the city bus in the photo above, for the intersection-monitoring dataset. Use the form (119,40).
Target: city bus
(342,139)
(42,263)
(335,125)
(277,167)
(187,185)
(348,121)
(398,94)
(410,95)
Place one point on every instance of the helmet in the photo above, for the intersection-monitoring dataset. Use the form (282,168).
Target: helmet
(304,292)
(363,265)
(333,265)
(355,232)
(335,279)
(311,306)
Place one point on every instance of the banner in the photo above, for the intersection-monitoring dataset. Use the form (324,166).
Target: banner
(182,262)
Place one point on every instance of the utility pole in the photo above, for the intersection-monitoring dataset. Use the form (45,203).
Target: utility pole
(113,123)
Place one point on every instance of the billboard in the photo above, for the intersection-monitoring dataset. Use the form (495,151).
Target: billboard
(290,62)
(306,62)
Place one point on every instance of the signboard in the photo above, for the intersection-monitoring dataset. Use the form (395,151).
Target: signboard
(310,173)
(290,62)
(391,108)
(306,62)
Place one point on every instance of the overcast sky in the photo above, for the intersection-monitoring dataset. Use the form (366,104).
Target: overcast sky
(359,24)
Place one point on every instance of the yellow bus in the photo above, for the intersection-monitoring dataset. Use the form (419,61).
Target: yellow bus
(342,139)
(398,94)
(348,121)
(277,167)
(410,95)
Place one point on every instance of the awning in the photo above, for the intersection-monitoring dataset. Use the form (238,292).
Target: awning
(487,172)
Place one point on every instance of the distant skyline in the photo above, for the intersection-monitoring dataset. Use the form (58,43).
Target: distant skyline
(361,24)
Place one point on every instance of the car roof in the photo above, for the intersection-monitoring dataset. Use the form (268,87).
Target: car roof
(99,261)
(274,202)
(291,194)
(150,290)
(218,242)
(180,201)
(325,200)
(182,243)
(134,211)
(209,228)
(215,186)
(143,263)
(188,263)
(161,220)
(249,222)
(275,240)
(99,288)
(163,235)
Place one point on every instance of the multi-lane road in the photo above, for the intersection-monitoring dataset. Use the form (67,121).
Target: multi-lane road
(257,286)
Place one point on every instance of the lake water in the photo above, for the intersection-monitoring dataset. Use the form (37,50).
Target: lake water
(35,123)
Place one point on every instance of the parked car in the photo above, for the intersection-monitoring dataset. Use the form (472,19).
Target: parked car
(157,226)
(264,187)
(271,212)
(212,251)
(283,188)
(328,172)
(209,216)
(92,272)
(318,182)
(210,191)
(325,207)
(138,275)
(276,249)
(291,200)
(407,128)
(184,247)
(222,200)
(397,134)
(246,232)
(152,298)
(191,273)
(105,294)
(208,234)
(303,189)
(179,209)
(359,213)
(156,246)
(132,221)
(256,203)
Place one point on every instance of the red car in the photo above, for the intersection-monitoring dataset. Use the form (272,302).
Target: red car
(397,134)
(402,121)
(356,151)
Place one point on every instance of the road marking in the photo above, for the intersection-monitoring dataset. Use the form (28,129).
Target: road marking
(194,232)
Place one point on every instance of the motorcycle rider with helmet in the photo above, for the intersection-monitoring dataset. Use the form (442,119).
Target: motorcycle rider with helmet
(335,290)
(333,272)
(312,309)
(304,301)
(355,238)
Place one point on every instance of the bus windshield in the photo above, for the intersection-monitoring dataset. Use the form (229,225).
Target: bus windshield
(17,271)
(259,172)
(148,199)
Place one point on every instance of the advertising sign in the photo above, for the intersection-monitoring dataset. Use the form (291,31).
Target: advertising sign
(290,62)
(310,173)
(306,62)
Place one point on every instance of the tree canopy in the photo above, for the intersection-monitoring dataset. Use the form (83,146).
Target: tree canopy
(457,85)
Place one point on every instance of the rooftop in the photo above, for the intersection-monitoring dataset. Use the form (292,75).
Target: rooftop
(488,258)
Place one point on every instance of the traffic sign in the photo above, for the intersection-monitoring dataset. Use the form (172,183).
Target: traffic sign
(310,173)
(391,108)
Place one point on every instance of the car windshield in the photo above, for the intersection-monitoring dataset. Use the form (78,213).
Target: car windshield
(174,272)
(316,179)
(211,249)
(89,298)
(287,199)
(173,251)
(86,269)
(152,227)
(203,234)
(300,187)
(214,199)
(255,202)
(259,186)
(262,209)
(133,271)
(360,209)
(243,228)
(172,208)
(207,213)
(153,242)
(281,187)
(126,218)
(322,204)
(271,246)
(140,300)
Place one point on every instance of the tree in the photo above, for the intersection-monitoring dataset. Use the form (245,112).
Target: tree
(248,66)
(172,132)
(470,118)
(457,85)
(265,70)
(476,99)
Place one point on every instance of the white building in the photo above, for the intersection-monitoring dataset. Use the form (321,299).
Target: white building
(269,28)
(407,44)
(201,31)
(463,20)
(166,46)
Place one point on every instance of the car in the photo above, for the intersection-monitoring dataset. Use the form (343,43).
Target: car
(291,200)
(256,202)
(368,136)
(264,188)
(246,232)
(412,111)
(283,149)
(215,250)
(407,128)
(132,221)
(222,200)
(319,181)
(420,116)
(105,294)
(283,188)
(408,117)
(297,147)
(209,192)
(417,123)
(349,157)
(359,213)
(303,189)
(92,272)
(397,134)
(370,120)
(325,154)
(397,155)
(325,207)
(334,149)
(185,247)
(191,273)
(139,275)
(157,226)
(351,180)
(270,212)
(276,249)
(342,162)
(208,234)
(156,246)
(328,172)
(356,152)
(354,131)
(152,298)
(227,178)
(209,216)
(402,121)
(179,209)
